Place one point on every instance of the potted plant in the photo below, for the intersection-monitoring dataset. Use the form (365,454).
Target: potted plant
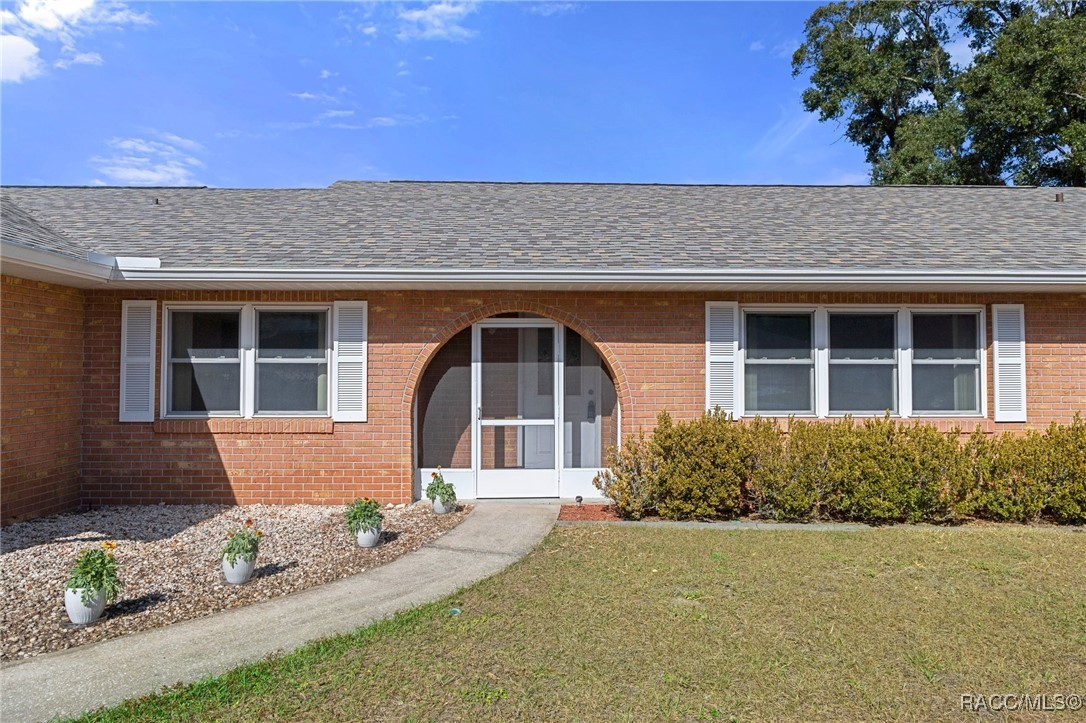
(92,584)
(364,518)
(239,554)
(441,493)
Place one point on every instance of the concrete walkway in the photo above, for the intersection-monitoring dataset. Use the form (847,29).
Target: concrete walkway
(71,682)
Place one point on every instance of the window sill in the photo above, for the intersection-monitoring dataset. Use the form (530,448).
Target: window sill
(230,425)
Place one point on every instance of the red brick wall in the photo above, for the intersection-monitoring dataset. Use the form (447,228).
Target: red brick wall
(41,369)
(654,344)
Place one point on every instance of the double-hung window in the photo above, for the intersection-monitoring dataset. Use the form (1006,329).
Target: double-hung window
(247,361)
(779,371)
(830,361)
(946,363)
(292,361)
(863,374)
(205,359)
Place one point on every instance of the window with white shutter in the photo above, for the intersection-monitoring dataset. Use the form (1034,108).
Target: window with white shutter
(721,356)
(1009,357)
(137,361)
(349,347)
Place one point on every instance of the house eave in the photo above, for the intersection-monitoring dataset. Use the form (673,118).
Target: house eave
(38,265)
(606,280)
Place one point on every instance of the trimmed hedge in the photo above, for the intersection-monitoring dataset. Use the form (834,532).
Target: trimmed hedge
(876,471)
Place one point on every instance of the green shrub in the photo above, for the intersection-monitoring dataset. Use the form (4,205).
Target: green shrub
(1065,463)
(630,482)
(877,471)
(1021,478)
(889,472)
(799,487)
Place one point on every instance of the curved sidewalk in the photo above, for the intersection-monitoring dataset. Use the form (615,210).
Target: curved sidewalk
(72,682)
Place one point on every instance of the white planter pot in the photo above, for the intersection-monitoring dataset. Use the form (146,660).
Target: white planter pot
(441,509)
(240,572)
(79,613)
(370,537)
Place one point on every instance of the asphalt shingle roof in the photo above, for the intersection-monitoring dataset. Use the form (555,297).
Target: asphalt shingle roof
(415,225)
(19,227)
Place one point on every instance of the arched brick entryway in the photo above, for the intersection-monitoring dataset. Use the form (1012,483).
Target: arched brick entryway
(431,348)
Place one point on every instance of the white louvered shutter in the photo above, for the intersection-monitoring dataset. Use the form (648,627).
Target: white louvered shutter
(137,361)
(1009,356)
(721,356)
(349,348)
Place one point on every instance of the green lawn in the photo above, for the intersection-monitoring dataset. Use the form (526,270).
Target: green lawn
(608,623)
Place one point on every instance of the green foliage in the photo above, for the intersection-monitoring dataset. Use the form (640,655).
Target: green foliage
(878,471)
(364,514)
(1016,112)
(707,467)
(631,481)
(1021,478)
(243,542)
(95,571)
(1063,464)
(439,489)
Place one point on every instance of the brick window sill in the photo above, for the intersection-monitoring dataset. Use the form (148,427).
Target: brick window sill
(295,425)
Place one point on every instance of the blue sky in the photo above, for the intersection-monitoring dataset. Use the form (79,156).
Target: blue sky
(304,94)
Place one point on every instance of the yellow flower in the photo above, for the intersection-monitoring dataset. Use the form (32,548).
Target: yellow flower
(248,523)
(109,545)
(260,533)
(230,535)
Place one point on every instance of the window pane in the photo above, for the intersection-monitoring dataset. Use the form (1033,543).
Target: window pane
(291,387)
(205,387)
(292,334)
(945,387)
(778,388)
(778,336)
(945,336)
(517,447)
(517,373)
(204,334)
(862,336)
(862,388)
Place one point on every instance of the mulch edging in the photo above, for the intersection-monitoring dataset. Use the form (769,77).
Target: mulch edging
(587,513)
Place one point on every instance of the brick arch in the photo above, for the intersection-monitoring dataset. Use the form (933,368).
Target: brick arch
(443,335)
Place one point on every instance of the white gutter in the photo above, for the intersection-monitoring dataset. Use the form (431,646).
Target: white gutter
(26,259)
(616,277)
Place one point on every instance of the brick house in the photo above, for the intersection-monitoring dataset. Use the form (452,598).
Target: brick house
(315,345)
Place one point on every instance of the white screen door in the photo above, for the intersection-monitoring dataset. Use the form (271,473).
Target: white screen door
(515,393)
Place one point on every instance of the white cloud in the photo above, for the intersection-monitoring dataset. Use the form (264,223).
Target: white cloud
(368,30)
(775,141)
(79,59)
(306,95)
(756,46)
(19,59)
(437,21)
(383,121)
(326,74)
(786,48)
(148,162)
(61,23)
(336,114)
(553,7)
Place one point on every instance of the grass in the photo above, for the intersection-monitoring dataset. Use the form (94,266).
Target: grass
(611,623)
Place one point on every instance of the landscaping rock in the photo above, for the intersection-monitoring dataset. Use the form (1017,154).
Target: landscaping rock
(169,559)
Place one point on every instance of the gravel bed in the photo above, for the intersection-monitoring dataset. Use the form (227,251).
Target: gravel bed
(169,560)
